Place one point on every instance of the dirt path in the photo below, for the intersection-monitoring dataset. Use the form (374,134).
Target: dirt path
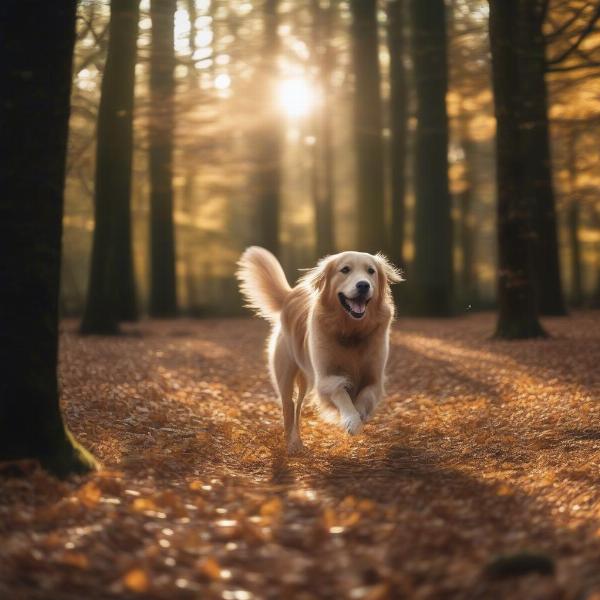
(482,449)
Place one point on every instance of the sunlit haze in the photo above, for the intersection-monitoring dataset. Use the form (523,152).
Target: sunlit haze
(297,97)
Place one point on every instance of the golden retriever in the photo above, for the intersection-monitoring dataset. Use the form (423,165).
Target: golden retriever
(330,333)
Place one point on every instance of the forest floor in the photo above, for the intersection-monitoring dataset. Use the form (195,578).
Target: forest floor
(479,477)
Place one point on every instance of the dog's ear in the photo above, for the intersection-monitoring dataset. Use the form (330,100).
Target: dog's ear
(317,276)
(387,270)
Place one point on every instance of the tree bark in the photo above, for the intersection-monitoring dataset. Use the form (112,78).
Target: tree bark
(432,268)
(368,125)
(468,276)
(573,225)
(398,126)
(536,158)
(163,283)
(516,294)
(111,287)
(269,136)
(35,68)
(323,184)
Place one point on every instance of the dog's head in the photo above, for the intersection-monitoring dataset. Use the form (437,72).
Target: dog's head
(355,283)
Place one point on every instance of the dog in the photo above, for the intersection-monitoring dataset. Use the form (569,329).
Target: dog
(330,333)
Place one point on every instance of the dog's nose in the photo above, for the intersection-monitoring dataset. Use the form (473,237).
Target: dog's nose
(363,286)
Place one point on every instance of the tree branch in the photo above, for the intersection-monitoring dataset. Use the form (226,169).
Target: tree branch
(582,35)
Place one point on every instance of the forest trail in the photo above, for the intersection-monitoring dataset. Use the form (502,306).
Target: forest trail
(483,448)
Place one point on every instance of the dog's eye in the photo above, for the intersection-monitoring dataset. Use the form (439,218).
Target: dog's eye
(345,270)
(370,270)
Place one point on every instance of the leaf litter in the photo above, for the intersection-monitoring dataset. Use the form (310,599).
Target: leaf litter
(485,452)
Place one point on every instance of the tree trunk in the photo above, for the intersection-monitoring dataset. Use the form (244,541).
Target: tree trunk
(595,299)
(536,159)
(269,136)
(573,226)
(398,126)
(432,267)
(516,295)
(468,277)
(367,125)
(323,184)
(163,293)
(35,68)
(111,288)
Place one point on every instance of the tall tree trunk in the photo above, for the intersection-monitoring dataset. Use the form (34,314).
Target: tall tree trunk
(368,125)
(468,278)
(595,299)
(35,69)
(323,190)
(163,283)
(516,294)
(536,159)
(432,267)
(269,136)
(573,228)
(111,288)
(398,126)
(573,225)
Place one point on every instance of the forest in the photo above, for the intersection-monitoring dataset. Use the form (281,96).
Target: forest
(144,433)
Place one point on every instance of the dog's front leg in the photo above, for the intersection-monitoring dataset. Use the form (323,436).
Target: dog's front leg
(366,401)
(334,387)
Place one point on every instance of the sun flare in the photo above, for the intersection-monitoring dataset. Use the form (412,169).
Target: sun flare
(296,97)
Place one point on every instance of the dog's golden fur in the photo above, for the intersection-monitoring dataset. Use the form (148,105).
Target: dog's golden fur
(317,342)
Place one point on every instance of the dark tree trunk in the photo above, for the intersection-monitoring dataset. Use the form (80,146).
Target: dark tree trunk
(468,278)
(536,159)
(398,126)
(111,288)
(35,69)
(573,225)
(595,299)
(323,184)
(269,136)
(432,267)
(163,293)
(516,294)
(573,228)
(368,126)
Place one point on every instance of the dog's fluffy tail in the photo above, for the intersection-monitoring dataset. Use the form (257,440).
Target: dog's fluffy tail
(262,282)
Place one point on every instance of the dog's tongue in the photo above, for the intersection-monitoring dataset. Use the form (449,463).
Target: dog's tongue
(357,306)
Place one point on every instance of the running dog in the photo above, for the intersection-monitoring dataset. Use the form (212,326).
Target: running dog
(330,333)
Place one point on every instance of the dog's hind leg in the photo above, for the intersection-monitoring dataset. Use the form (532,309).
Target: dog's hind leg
(285,371)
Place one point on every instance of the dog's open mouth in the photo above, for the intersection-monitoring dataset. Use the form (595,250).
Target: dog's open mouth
(356,307)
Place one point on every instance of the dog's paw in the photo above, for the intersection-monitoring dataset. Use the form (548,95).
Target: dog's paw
(352,423)
(364,409)
(365,406)
(295,447)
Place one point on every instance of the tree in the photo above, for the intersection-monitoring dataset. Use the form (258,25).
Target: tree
(36,63)
(398,125)
(163,294)
(323,179)
(432,267)
(516,293)
(111,288)
(367,125)
(573,222)
(268,140)
(536,158)
(560,50)
(466,225)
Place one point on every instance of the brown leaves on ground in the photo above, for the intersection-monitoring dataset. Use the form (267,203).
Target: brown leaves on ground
(480,469)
